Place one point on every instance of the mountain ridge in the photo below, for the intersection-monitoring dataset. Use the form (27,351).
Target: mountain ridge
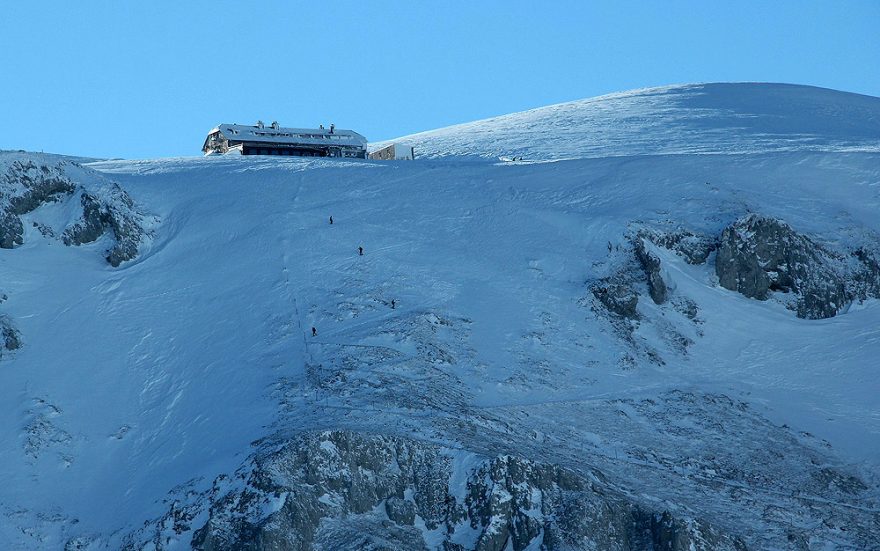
(609,125)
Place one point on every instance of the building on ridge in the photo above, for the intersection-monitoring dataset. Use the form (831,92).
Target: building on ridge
(239,139)
(393,152)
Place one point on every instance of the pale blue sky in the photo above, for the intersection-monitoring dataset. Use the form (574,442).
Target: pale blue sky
(147,79)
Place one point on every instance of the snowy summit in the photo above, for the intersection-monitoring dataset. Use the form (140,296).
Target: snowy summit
(685,119)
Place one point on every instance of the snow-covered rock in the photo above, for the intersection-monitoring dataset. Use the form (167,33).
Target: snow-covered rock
(24,187)
(346,490)
(81,205)
(758,255)
(111,212)
(695,249)
(651,264)
(618,298)
(10,338)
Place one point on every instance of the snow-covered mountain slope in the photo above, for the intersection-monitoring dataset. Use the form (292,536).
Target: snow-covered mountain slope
(695,118)
(524,388)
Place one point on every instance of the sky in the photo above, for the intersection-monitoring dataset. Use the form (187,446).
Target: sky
(150,78)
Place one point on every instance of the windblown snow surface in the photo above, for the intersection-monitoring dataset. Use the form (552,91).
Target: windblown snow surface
(138,384)
(697,118)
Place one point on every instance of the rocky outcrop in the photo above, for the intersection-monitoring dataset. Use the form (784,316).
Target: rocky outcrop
(115,215)
(650,263)
(694,248)
(39,184)
(32,185)
(345,490)
(866,278)
(618,298)
(759,255)
(10,338)
(29,182)
(24,186)
(11,230)
(44,435)
(629,272)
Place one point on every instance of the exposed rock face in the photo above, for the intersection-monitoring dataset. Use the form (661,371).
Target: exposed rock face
(92,224)
(29,182)
(866,280)
(23,187)
(10,338)
(651,264)
(45,435)
(116,215)
(11,230)
(400,511)
(618,298)
(343,490)
(758,255)
(626,275)
(694,248)
(39,183)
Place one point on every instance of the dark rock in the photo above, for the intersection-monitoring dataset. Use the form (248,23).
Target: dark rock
(650,263)
(106,208)
(331,484)
(617,298)
(44,229)
(866,279)
(686,307)
(11,230)
(79,543)
(23,188)
(40,191)
(694,248)
(368,535)
(10,338)
(91,226)
(400,511)
(758,255)
(115,214)
(830,478)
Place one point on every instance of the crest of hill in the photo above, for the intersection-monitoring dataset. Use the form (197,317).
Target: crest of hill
(725,118)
